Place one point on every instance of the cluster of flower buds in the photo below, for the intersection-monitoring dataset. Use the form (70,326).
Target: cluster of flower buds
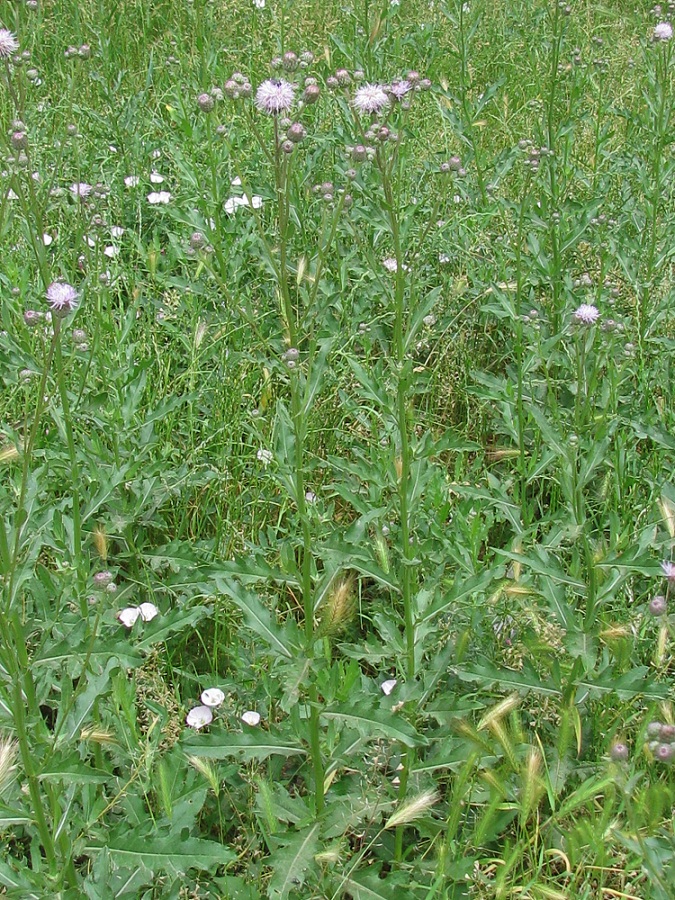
(82,52)
(290,357)
(290,61)
(661,741)
(534,154)
(238,87)
(79,339)
(453,166)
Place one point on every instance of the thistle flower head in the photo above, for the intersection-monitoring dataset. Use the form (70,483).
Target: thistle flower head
(663,31)
(668,570)
(8,44)
(81,189)
(275,96)
(587,314)
(370,98)
(62,298)
(398,89)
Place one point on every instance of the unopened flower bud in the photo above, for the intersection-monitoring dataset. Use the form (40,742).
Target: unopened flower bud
(413,77)
(618,752)
(205,102)
(343,77)
(71,130)
(311,94)
(332,82)
(296,133)
(19,140)
(84,52)
(231,89)
(290,61)
(359,153)
(103,579)
(197,240)
(31,317)
(287,146)
(658,606)
(79,335)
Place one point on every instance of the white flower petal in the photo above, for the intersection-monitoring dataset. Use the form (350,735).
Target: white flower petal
(388,686)
(128,616)
(148,611)
(251,718)
(199,717)
(212,697)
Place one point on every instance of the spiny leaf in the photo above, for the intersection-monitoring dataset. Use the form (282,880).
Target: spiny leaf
(373,722)
(292,861)
(250,746)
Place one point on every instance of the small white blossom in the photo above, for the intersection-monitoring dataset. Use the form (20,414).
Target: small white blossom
(264,456)
(199,717)
(251,717)
(131,180)
(117,231)
(157,197)
(148,611)
(156,178)
(128,616)
(212,697)
(388,686)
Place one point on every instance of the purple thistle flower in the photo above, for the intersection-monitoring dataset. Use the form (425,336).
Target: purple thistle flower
(275,96)
(668,570)
(663,31)
(398,89)
(8,44)
(81,189)
(370,98)
(587,314)
(62,298)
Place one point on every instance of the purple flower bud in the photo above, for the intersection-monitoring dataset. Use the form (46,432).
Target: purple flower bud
(311,94)
(296,133)
(664,753)
(84,52)
(332,82)
(658,605)
(343,77)
(667,733)
(197,240)
(103,579)
(290,61)
(425,84)
(231,89)
(287,146)
(413,77)
(359,153)
(31,317)
(19,140)
(205,102)
(307,57)
(618,752)
(79,335)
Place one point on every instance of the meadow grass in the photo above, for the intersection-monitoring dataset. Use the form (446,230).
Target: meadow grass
(336,449)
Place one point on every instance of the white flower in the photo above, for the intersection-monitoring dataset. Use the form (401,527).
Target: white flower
(155,197)
(111,252)
(264,456)
(156,153)
(259,4)
(370,98)
(128,616)
(12,195)
(232,203)
(663,31)
(81,189)
(391,265)
(275,96)
(256,202)
(117,231)
(587,314)
(212,697)
(199,717)
(148,611)
(156,178)
(47,239)
(131,180)
(251,718)
(388,686)
(8,44)
(236,182)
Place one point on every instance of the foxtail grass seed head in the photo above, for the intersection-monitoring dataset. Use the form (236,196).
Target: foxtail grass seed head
(8,749)
(199,717)
(370,99)
(206,768)
(587,314)
(8,44)
(412,809)
(340,605)
(275,96)
(663,32)
(212,697)
(62,298)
